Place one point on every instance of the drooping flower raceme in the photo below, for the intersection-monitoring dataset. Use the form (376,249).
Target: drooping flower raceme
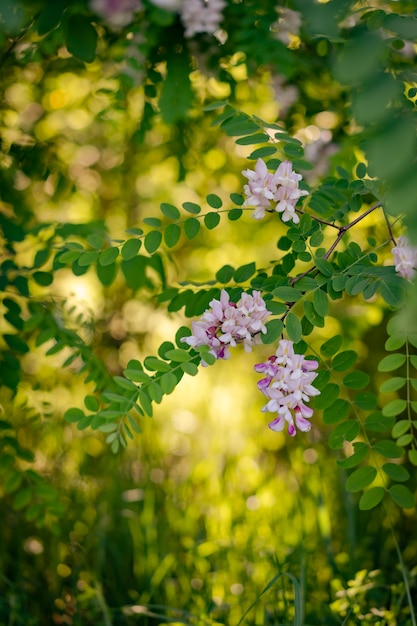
(405,258)
(227,323)
(288,386)
(201,17)
(281,189)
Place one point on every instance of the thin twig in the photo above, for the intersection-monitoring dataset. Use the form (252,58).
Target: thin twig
(16,40)
(318,219)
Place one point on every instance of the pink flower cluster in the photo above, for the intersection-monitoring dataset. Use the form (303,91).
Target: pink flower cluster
(227,323)
(197,16)
(117,13)
(201,17)
(280,188)
(288,385)
(405,258)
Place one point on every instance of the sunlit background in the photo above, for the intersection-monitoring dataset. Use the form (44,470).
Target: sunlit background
(206,506)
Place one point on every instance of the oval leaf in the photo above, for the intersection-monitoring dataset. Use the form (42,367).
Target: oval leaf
(360,479)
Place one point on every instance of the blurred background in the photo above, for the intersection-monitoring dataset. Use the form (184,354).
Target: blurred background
(207,506)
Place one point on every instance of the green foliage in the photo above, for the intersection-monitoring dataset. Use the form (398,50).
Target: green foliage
(115,185)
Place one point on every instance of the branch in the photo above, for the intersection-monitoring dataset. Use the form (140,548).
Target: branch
(16,40)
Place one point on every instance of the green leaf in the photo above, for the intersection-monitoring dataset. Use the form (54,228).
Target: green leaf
(130,248)
(234,214)
(73,415)
(145,403)
(95,241)
(395,407)
(378,422)
(344,360)
(274,330)
(356,380)
(110,396)
(215,105)
(412,455)
(391,362)
(49,17)
(321,302)
(361,478)
(328,396)
(324,266)
(189,368)
(276,308)
(392,291)
(91,403)
(214,201)
(22,499)
(177,355)
(153,364)
(253,139)
(366,400)
(331,346)
(401,427)
(172,235)
(237,198)
(155,392)
(81,38)
(191,227)
(346,431)
(396,472)
(153,241)
(293,327)
(287,294)
(88,258)
(155,222)
(106,274)
(388,448)
(243,273)
(360,453)
(311,314)
(170,211)
(12,481)
(177,94)
(336,412)
(211,220)
(43,278)
(261,153)
(402,496)
(124,383)
(371,498)
(225,274)
(393,384)
(168,382)
(191,207)
(107,257)
(69,256)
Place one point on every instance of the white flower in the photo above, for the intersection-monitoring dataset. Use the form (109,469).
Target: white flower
(405,258)
(288,24)
(201,17)
(117,13)
(281,188)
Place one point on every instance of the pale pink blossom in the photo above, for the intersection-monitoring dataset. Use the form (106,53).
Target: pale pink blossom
(201,17)
(288,386)
(117,13)
(226,324)
(287,26)
(405,258)
(281,189)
